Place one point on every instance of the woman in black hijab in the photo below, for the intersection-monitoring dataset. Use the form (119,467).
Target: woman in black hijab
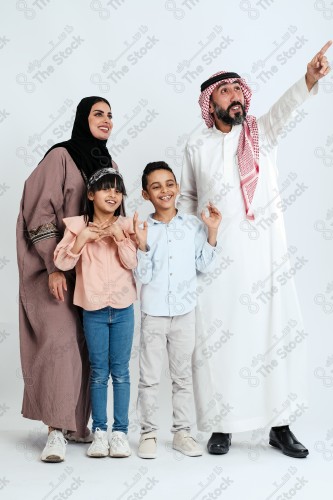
(88,148)
(53,352)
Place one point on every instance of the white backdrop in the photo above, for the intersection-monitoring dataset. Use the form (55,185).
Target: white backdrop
(148,59)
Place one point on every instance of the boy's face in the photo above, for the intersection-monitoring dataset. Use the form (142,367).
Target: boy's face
(162,189)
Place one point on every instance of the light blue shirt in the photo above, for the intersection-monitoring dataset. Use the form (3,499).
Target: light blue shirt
(167,270)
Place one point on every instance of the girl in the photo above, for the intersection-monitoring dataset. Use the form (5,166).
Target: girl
(98,243)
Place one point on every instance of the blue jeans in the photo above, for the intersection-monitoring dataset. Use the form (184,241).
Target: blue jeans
(109,336)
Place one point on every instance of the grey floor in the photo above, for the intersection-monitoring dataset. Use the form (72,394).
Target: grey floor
(252,470)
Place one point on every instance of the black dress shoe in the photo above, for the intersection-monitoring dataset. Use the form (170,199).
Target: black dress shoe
(282,437)
(219,443)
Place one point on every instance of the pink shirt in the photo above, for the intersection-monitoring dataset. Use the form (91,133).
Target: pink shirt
(103,268)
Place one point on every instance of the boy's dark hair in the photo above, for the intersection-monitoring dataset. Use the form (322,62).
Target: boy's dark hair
(106,182)
(151,167)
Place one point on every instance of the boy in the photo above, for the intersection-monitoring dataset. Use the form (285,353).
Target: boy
(172,246)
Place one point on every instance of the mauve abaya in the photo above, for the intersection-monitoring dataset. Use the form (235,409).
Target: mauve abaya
(53,351)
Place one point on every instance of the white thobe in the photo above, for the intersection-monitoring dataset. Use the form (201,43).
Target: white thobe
(250,356)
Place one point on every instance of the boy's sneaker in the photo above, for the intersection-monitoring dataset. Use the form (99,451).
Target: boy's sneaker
(186,444)
(99,447)
(119,446)
(55,448)
(148,445)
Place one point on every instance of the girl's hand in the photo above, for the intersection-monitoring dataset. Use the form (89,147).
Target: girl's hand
(214,219)
(88,234)
(57,285)
(109,228)
(140,233)
(102,225)
(114,230)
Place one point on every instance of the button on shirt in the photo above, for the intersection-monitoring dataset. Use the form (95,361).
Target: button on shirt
(167,270)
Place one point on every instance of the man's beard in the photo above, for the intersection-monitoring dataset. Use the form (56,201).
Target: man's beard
(224,116)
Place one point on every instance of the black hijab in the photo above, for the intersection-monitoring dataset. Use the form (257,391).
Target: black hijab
(89,154)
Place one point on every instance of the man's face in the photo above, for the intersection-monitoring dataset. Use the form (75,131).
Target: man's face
(227,103)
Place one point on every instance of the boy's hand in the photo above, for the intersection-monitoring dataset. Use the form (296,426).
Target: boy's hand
(140,233)
(214,219)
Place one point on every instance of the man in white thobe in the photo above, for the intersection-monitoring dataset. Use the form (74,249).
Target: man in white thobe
(249,361)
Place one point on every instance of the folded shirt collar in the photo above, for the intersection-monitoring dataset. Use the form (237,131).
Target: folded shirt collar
(151,221)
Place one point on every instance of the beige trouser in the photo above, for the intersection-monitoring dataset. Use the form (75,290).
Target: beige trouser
(177,335)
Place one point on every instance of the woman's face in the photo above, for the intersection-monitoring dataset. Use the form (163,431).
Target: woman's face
(100,121)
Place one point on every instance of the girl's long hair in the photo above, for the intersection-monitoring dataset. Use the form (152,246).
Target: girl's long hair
(106,182)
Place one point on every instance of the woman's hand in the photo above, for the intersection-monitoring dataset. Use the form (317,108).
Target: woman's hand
(140,233)
(57,285)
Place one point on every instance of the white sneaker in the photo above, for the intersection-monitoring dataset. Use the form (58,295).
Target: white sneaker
(148,445)
(100,445)
(119,445)
(186,444)
(55,448)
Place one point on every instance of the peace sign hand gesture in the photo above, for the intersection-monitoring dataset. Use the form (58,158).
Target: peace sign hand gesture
(318,66)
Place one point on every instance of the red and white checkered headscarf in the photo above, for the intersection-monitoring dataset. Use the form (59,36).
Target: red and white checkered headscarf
(248,145)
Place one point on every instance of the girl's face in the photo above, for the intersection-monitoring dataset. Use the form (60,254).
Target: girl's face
(106,201)
(100,121)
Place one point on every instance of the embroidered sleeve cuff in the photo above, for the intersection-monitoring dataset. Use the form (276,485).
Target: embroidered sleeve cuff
(43,232)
